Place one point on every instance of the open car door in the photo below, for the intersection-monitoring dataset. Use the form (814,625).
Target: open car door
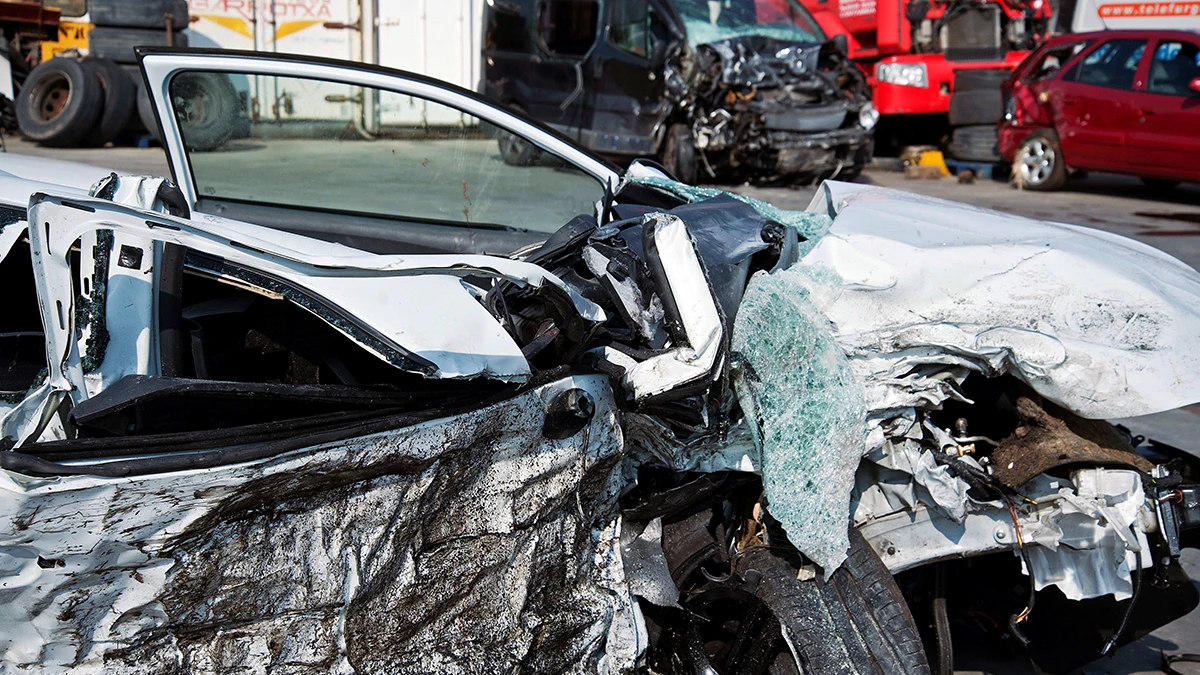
(378,159)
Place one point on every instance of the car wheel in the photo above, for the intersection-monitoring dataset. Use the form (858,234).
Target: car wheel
(59,103)
(119,100)
(516,150)
(207,107)
(1160,184)
(1039,162)
(769,617)
(679,154)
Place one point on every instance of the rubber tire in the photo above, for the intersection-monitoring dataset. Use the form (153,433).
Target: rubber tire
(138,13)
(1058,173)
(856,622)
(1160,184)
(120,97)
(679,153)
(975,144)
(221,110)
(976,106)
(81,110)
(117,44)
(988,79)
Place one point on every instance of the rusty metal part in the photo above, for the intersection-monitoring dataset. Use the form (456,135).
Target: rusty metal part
(1047,437)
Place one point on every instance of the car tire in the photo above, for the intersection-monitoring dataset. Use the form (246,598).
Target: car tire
(679,153)
(207,109)
(118,44)
(120,97)
(59,103)
(516,150)
(857,622)
(977,106)
(138,13)
(1160,184)
(975,143)
(987,79)
(1039,163)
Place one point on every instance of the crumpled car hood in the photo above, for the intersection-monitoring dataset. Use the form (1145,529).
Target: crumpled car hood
(1098,323)
(763,61)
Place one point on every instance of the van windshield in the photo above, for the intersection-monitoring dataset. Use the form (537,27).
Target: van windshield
(713,20)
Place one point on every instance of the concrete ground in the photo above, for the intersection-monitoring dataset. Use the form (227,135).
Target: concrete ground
(1169,221)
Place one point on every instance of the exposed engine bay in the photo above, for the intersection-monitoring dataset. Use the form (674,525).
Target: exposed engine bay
(695,432)
(763,108)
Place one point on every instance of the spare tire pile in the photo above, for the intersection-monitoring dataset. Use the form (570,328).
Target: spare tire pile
(68,102)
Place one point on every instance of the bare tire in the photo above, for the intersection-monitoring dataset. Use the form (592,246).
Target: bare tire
(516,150)
(118,44)
(1039,162)
(766,619)
(120,97)
(207,108)
(138,13)
(59,103)
(975,143)
(679,153)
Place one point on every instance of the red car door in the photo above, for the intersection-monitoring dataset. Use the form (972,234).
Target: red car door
(1092,104)
(1165,140)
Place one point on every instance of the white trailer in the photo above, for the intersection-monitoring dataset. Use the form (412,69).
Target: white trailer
(1093,15)
(436,38)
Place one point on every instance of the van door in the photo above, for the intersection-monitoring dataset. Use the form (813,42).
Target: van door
(1163,141)
(554,84)
(625,81)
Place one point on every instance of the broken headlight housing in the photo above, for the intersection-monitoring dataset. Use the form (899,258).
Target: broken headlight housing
(868,116)
(903,74)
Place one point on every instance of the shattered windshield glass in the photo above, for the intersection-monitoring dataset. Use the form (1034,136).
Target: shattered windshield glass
(709,21)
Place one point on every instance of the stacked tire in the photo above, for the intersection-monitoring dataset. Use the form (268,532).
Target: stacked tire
(975,108)
(68,102)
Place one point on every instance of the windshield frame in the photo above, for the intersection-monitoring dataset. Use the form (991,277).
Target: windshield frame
(701,31)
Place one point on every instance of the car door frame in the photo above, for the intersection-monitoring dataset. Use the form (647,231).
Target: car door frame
(1139,140)
(160,65)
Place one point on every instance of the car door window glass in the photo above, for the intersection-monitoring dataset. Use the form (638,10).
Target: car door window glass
(1112,64)
(1052,61)
(568,27)
(307,144)
(629,27)
(1174,67)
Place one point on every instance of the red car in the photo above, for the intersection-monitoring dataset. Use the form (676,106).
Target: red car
(1119,101)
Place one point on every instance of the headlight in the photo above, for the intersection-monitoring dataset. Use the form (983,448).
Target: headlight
(904,74)
(868,116)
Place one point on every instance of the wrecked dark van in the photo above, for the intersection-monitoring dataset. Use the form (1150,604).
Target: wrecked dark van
(732,89)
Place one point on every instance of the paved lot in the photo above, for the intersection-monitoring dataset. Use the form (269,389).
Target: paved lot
(1169,221)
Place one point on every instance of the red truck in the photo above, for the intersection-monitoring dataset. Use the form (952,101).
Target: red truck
(937,65)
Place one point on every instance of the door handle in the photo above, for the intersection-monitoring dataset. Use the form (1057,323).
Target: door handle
(1143,114)
(1070,100)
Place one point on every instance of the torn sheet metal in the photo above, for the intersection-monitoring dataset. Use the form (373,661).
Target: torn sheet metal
(1084,535)
(464,544)
(407,301)
(798,386)
(1097,323)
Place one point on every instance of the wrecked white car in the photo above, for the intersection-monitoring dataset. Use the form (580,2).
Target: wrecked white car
(677,431)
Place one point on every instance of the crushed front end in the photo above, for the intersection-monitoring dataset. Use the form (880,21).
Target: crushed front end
(767,109)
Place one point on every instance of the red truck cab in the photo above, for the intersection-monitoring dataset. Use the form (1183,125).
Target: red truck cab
(917,52)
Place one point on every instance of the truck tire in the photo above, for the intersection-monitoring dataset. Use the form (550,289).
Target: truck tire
(207,109)
(976,106)
(987,79)
(59,103)
(138,13)
(856,623)
(975,144)
(117,44)
(119,99)
(679,153)
(516,150)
